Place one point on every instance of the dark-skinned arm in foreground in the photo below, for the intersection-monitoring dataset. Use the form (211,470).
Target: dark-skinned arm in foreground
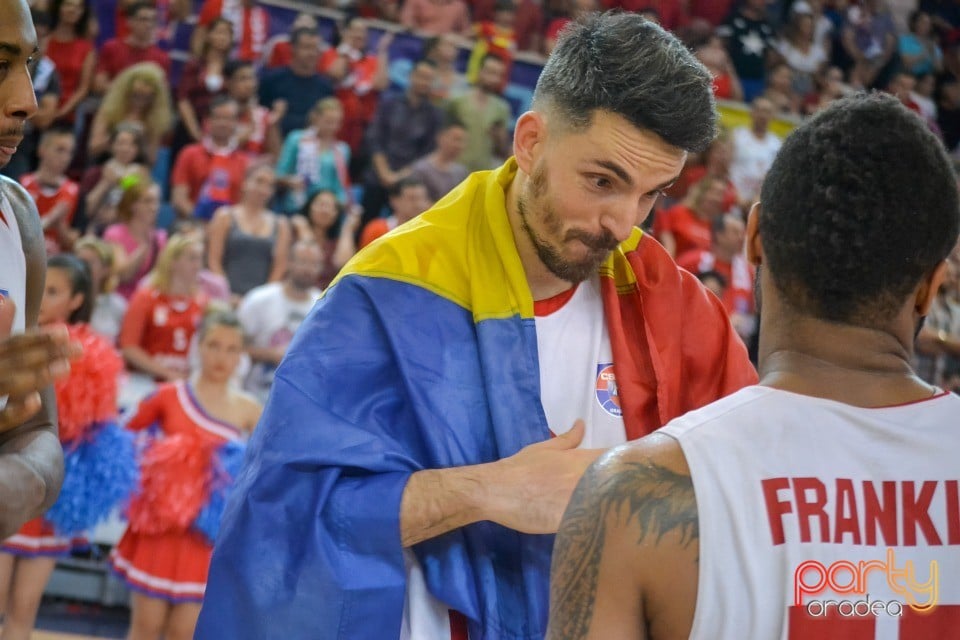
(31,459)
(625,559)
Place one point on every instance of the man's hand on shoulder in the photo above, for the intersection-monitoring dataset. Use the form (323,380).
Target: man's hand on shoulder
(529,490)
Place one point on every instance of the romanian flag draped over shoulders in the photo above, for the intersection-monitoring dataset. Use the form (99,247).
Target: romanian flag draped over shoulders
(423,354)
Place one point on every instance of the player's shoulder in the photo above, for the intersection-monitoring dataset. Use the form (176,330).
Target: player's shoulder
(15,192)
(25,210)
(728,411)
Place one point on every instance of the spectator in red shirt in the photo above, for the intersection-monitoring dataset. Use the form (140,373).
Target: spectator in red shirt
(164,313)
(528,24)
(715,162)
(202,80)
(408,199)
(140,46)
(251,26)
(55,194)
(258,132)
(209,174)
(72,51)
(278,52)
(686,226)
(359,78)
(726,83)
(726,258)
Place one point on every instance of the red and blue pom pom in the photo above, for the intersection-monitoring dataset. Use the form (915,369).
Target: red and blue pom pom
(174,484)
(101,472)
(227,463)
(88,395)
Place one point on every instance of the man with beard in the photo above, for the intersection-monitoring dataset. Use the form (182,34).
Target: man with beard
(485,114)
(405,467)
(765,514)
(31,461)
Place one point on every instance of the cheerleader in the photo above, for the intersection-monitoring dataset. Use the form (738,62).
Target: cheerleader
(187,470)
(98,456)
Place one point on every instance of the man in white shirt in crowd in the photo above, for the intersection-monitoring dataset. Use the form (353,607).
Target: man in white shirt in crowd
(271,313)
(754,149)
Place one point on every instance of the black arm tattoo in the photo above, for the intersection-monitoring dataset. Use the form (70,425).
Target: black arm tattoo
(658,499)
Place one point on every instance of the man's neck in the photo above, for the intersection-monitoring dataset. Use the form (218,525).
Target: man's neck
(723,255)
(293,292)
(64,32)
(138,43)
(413,99)
(758,133)
(440,161)
(47,177)
(302,71)
(543,283)
(854,365)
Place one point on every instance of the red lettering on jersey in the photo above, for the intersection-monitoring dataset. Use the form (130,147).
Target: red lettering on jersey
(916,513)
(953,512)
(880,515)
(811,508)
(3,218)
(776,507)
(846,518)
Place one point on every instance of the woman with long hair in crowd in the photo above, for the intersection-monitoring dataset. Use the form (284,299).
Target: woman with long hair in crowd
(102,183)
(165,552)
(165,311)
(323,221)
(73,52)
(313,159)
(201,81)
(135,236)
(99,467)
(139,94)
(247,242)
(109,307)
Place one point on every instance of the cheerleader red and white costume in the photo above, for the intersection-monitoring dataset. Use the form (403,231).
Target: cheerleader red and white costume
(86,400)
(160,555)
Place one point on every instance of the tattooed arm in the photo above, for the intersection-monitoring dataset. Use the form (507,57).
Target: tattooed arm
(625,560)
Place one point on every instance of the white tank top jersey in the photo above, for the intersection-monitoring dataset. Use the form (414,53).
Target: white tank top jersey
(576,381)
(13,264)
(821,520)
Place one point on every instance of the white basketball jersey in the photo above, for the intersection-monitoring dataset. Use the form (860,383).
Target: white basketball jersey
(576,369)
(820,520)
(13,265)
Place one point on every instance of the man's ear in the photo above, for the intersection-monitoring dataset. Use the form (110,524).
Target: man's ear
(754,245)
(528,138)
(927,291)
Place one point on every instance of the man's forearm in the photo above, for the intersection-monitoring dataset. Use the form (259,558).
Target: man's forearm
(436,501)
(31,468)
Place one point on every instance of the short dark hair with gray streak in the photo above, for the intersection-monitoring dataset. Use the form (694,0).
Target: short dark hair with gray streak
(624,64)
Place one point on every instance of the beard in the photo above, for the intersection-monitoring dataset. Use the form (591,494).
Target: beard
(532,201)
